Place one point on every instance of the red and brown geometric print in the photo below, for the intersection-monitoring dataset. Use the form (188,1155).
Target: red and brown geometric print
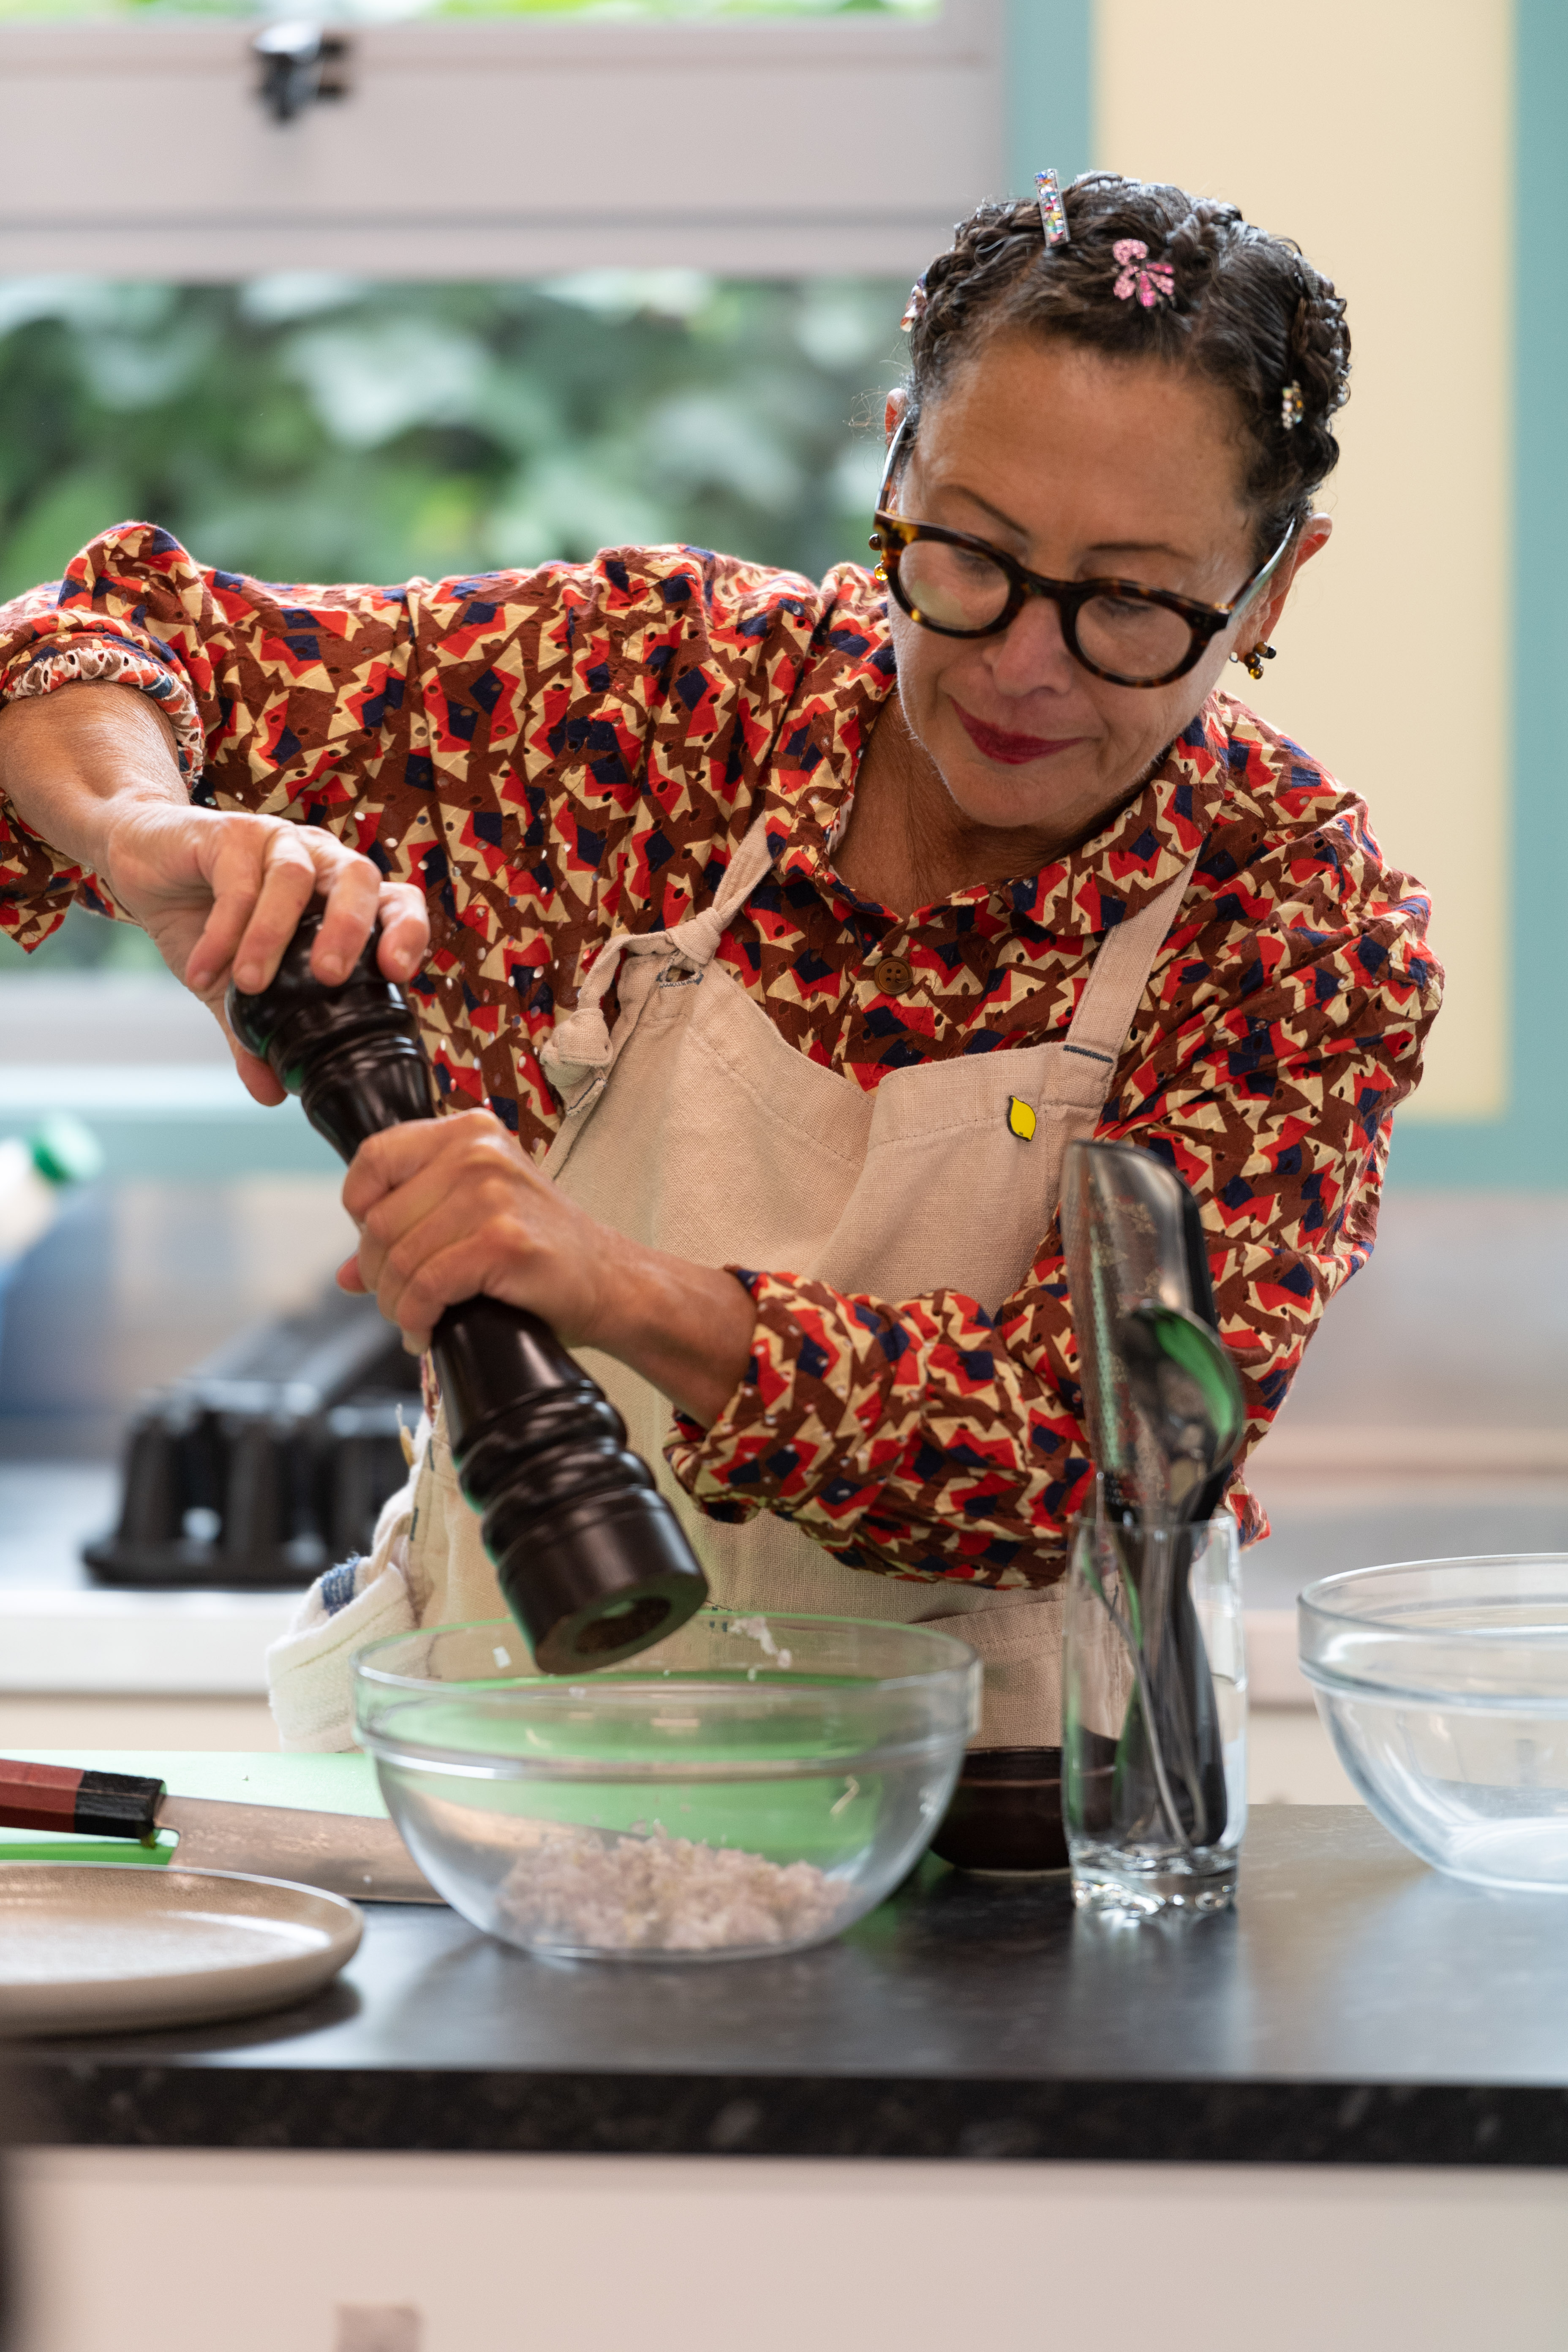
(557,754)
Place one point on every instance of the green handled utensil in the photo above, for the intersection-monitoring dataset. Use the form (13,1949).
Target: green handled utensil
(1165,1415)
(345,1853)
(1183,1383)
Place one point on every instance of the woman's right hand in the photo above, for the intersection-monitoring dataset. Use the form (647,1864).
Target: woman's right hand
(221,894)
(92,769)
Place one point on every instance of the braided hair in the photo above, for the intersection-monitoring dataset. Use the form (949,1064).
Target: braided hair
(1245,310)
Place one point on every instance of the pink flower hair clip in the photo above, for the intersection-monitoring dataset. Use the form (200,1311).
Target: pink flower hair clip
(1153,281)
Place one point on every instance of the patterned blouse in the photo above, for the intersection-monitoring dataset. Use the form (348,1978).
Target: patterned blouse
(556,755)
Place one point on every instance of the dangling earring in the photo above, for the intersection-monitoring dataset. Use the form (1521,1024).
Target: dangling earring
(1252,663)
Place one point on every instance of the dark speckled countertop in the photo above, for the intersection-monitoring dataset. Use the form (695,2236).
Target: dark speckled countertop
(1356,2008)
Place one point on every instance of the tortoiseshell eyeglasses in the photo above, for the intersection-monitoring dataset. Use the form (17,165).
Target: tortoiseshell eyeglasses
(1123,632)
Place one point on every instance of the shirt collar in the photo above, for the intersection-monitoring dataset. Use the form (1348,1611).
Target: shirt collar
(849,674)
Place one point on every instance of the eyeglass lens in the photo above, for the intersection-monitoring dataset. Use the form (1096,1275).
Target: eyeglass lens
(958,588)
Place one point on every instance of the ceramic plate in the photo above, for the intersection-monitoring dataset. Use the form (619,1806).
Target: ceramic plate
(95,1946)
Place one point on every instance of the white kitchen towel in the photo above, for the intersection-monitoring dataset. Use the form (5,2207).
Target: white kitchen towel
(310,1669)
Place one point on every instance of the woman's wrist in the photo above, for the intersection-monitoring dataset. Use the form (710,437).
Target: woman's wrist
(686,1328)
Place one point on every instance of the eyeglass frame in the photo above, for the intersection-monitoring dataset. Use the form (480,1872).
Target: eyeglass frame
(1069,596)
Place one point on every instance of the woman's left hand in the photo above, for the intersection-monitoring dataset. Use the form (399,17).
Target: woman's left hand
(450,1209)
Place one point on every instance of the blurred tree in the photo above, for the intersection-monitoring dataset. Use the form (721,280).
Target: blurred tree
(310,427)
(306,427)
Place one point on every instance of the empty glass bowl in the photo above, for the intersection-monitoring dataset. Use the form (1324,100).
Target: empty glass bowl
(1444,1683)
(753,1785)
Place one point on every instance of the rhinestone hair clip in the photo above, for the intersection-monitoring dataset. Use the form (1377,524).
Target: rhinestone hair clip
(1053,212)
(1292,407)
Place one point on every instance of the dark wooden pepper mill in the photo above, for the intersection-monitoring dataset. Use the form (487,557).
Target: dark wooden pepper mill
(594,1564)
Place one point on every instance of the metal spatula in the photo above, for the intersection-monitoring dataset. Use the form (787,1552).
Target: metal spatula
(1122,1218)
(1136,1271)
(339,1851)
(1185,1388)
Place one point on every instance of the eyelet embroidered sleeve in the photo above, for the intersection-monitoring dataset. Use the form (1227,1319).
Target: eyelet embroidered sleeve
(84,657)
(283,702)
(548,753)
(49,639)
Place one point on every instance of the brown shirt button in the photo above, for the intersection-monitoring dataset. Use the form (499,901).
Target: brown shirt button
(892,975)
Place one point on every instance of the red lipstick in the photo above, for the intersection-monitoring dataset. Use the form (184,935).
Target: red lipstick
(1011,751)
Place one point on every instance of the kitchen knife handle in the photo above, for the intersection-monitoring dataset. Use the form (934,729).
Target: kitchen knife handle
(98,1804)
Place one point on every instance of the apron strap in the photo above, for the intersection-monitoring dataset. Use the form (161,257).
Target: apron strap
(1119,976)
(578,1053)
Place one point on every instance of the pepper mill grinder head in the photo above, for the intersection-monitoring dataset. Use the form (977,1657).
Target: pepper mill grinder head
(351,1053)
(591,1558)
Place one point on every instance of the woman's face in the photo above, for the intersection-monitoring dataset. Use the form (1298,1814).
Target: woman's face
(1082,468)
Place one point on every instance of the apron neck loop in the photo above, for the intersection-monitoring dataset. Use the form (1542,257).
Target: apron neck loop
(696,941)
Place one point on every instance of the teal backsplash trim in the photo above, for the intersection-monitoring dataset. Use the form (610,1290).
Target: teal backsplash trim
(1527,1149)
(1047,90)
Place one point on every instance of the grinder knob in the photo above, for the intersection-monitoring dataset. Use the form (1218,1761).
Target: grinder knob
(594,1563)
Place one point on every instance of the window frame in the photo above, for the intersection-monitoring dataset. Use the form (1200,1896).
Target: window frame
(816,146)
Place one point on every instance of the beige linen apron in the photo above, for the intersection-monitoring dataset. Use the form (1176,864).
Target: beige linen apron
(696,1130)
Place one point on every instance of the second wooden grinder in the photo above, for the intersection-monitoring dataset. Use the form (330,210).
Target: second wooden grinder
(592,1561)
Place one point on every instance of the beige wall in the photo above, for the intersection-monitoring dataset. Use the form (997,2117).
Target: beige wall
(1378,135)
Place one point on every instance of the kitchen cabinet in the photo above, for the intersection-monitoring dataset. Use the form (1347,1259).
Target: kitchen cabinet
(1340,2113)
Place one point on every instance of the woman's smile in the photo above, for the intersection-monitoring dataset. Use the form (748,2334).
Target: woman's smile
(1000,743)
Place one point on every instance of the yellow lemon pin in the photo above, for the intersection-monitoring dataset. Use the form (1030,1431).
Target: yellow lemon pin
(1021,1121)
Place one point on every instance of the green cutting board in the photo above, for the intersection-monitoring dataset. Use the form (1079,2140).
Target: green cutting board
(342,1783)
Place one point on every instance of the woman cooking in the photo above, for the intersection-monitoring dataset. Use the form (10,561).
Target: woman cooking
(771,941)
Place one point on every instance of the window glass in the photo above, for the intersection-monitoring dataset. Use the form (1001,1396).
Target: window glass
(312,427)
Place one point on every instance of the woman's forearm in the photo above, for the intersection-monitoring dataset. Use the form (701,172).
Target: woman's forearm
(93,772)
(72,761)
(450,1209)
(686,1328)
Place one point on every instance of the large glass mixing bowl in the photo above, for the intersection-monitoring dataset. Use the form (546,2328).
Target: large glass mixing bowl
(753,1785)
(1444,1683)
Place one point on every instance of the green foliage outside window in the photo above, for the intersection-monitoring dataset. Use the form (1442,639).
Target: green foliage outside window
(306,427)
